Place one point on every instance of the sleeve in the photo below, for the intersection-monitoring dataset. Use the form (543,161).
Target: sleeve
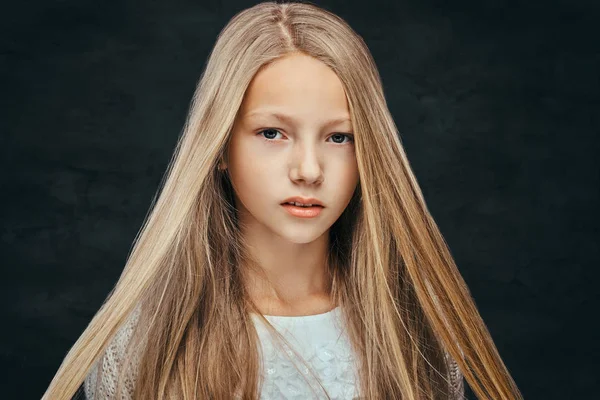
(457,381)
(101,381)
(457,384)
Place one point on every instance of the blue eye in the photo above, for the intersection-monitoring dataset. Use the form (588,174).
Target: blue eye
(273,132)
(269,130)
(349,136)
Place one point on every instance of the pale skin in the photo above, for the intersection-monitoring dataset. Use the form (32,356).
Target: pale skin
(269,160)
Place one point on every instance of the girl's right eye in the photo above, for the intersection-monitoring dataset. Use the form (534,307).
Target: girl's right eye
(271,131)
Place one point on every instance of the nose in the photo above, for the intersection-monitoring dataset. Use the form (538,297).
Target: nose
(306,165)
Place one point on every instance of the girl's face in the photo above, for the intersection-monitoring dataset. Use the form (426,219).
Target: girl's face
(308,152)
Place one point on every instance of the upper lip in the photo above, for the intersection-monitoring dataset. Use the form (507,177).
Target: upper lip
(303,200)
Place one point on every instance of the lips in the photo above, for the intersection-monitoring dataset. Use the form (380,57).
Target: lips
(304,200)
(303,212)
(301,205)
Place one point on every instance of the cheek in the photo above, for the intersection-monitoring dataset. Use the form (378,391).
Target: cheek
(347,186)
(249,172)
(252,162)
(346,176)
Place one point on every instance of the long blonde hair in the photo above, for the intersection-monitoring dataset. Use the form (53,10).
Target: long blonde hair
(403,300)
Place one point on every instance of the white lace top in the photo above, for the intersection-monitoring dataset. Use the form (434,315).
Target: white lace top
(319,339)
(322,343)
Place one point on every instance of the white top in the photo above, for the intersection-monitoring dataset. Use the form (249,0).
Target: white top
(322,343)
(318,339)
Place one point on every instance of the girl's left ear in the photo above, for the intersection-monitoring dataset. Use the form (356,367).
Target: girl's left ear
(222,164)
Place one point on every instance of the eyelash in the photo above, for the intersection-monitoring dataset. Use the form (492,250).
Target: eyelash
(348,135)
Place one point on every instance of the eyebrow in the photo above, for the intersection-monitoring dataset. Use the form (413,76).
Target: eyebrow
(291,120)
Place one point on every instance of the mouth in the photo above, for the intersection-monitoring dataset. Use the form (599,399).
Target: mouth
(303,211)
(295,204)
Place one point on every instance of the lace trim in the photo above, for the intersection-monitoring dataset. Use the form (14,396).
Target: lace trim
(101,381)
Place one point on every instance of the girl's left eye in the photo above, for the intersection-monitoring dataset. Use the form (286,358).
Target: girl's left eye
(273,131)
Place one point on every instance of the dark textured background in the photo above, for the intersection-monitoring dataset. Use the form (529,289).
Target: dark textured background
(497,103)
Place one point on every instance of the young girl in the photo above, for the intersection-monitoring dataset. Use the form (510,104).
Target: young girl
(290,253)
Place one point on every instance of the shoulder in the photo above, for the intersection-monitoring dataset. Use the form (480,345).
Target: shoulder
(101,381)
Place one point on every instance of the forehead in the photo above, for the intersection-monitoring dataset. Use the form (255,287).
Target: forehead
(296,84)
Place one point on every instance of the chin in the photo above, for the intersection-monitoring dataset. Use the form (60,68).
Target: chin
(302,236)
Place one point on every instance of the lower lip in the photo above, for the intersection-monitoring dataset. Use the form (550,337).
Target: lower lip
(303,212)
